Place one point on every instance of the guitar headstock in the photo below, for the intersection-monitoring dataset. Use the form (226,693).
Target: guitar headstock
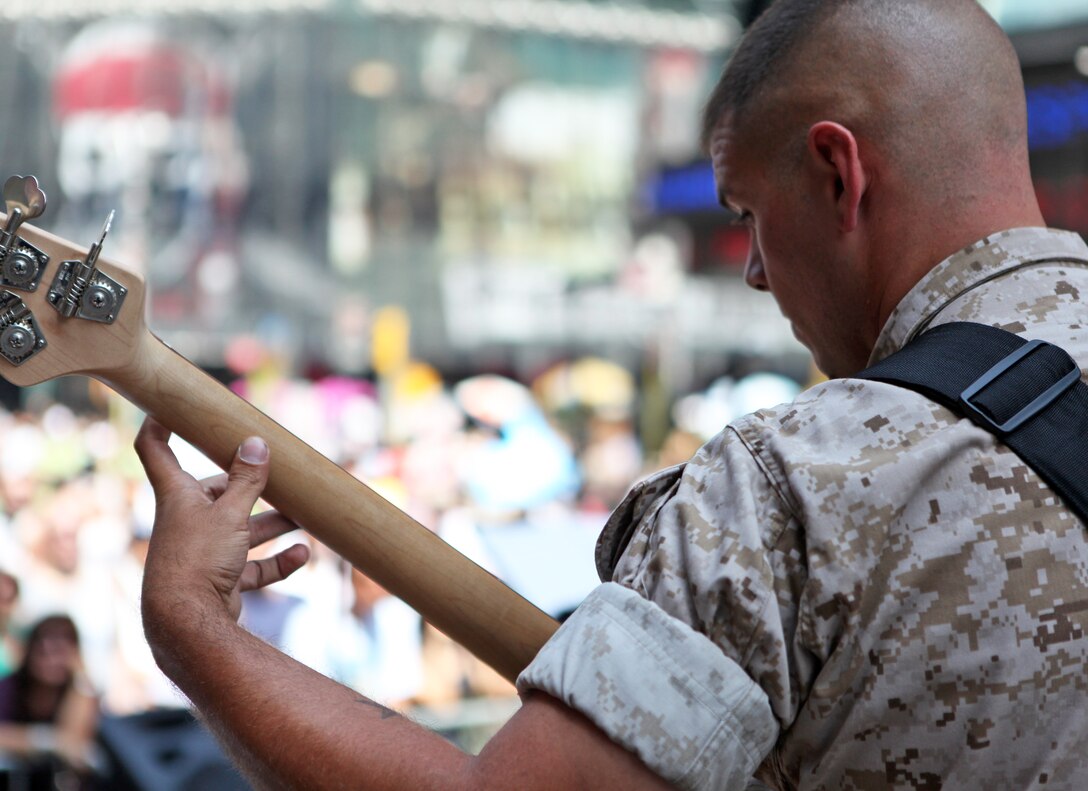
(64,309)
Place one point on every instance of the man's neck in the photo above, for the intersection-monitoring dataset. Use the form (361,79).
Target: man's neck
(917,246)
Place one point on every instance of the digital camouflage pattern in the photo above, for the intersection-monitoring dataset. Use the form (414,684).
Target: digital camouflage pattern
(659,688)
(910,596)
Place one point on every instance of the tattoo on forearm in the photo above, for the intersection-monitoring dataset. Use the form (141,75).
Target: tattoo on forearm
(386,712)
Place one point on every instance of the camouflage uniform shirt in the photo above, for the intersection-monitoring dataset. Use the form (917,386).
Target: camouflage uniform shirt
(856,590)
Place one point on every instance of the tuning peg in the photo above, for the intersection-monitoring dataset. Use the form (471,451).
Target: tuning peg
(24,197)
(20,336)
(80,289)
(21,263)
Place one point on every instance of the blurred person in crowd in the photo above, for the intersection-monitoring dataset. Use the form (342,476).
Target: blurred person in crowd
(432,457)
(295,619)
(20,456)
(56,576)
(268,613)
(679,446)
(50,533)
(611,459)
(21,451)
(856,590)
(377,647)
(10,647)
(48,709)
(451,673)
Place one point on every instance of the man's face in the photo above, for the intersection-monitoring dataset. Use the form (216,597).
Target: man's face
(797,251)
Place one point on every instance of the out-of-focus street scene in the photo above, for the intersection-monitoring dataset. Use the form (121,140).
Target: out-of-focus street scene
(469,250)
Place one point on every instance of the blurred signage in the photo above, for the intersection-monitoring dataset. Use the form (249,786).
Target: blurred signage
(1057,114)
(680,190)
(1057,97)
(484,308)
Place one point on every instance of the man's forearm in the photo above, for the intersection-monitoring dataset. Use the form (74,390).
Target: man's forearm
(320,735)
(287,726)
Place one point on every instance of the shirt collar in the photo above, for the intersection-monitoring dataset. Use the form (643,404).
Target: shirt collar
(983,261)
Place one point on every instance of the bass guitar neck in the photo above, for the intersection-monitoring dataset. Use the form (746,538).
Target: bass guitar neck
(80,313)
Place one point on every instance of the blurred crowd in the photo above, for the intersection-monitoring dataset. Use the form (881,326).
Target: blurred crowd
(508,473)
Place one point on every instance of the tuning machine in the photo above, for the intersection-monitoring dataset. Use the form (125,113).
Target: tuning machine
(20,336)
(21,263)
(80,289)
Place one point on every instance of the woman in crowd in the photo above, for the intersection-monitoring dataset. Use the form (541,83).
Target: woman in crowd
(48,711)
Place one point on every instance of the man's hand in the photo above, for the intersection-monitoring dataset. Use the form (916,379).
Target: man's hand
(203,532)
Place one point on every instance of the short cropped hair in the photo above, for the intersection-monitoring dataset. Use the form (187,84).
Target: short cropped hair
(766,47)
(951,56)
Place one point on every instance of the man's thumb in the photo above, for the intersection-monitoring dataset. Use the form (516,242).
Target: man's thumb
(253,451)
(249,470)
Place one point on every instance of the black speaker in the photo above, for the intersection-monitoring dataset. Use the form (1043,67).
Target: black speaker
(164,750)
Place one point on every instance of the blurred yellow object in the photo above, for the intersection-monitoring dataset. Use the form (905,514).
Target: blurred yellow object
(417,380)
(592,382)
(390,339)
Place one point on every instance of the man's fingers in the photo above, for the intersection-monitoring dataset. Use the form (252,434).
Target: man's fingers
(215,485)
(259,573)
(247,476)
(160,463)
(268,525)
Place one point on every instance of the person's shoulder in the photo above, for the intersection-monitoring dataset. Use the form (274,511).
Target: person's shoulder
(840,420)
(837,403)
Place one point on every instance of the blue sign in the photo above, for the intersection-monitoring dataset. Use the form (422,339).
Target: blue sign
(1057,114)
(681,190)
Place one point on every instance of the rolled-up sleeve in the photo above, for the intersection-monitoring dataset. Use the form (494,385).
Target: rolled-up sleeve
(658,688)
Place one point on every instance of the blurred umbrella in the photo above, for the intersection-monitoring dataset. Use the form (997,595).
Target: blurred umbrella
(528,464)
(493,400)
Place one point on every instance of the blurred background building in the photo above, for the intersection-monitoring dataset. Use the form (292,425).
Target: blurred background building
(469,249)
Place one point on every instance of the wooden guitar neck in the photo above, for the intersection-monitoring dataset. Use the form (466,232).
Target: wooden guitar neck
(447,589)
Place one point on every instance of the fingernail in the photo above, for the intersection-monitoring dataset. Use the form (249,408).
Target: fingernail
(254,451)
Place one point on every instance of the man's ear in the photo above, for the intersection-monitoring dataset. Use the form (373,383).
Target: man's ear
(835,150)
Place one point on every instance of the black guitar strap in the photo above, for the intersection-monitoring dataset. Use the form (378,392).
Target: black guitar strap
(1028,393)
